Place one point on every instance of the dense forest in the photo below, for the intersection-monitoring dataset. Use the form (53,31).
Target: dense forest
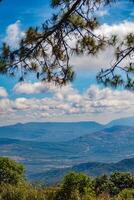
(74,186)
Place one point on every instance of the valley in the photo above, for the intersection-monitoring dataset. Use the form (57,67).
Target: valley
(48,151)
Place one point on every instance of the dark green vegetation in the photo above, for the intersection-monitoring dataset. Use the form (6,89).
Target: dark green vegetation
(74,186)
(47,50)
(10,172)
(49,150)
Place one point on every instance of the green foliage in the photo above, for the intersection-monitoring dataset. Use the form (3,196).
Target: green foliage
(50,193)
(114,183)
(121,181)
(103,184)
(126,194)
(75,186)
(21,192)
(118,75)
(2,66)
(10,172)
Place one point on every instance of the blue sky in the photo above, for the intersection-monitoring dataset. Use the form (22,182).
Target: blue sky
(29,12)
(18,15)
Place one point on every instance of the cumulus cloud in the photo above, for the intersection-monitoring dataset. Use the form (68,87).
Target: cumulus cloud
(5,106)
(3,92)
(67,102)
(14,34)
(106,57)
(34,88)
(120,29)
(102,60)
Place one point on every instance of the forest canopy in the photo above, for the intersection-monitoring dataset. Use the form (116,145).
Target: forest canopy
(73,186)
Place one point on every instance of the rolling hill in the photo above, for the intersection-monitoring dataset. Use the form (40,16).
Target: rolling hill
(92,169)
(49,132)
(106,146)
(128,121)
(50,149)
(57,131)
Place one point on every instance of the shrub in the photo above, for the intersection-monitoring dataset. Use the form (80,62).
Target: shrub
(11,172)
(75,186)
(114,183)
(21,192)
(103,185)
(126,194)
(121,181)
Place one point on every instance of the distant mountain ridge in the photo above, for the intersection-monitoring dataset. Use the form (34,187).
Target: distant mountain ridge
(48,148)
(49,131)
(107,145)
(128,121)
(57,131)
(90,168)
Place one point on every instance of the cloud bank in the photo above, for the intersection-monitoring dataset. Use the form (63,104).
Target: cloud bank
(66,103)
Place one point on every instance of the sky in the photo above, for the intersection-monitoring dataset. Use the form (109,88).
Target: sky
(82,100)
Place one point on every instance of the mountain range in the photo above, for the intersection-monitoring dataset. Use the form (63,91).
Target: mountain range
(51,149)
(49,132)
(128,121)
(91,168)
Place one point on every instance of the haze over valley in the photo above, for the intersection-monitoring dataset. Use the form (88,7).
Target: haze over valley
(49,148)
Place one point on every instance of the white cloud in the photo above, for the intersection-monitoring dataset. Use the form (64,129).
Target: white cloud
(104,58)
(102,13)
(33,88)
(87,62)
(5,106)
(120,29)
(3,92)
(67,103)
(14,34)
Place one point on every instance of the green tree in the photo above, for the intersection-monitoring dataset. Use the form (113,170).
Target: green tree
(121,181)
(47,50)
(114,183)
(75,186)
(102,185)
(11,172)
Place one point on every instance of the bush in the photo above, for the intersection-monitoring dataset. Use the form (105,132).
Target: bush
(21,192)
(11,172)
(114,183)
(121,181)
(103,185)
(75,186)
(104,196)
(50,193)
(127,194)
